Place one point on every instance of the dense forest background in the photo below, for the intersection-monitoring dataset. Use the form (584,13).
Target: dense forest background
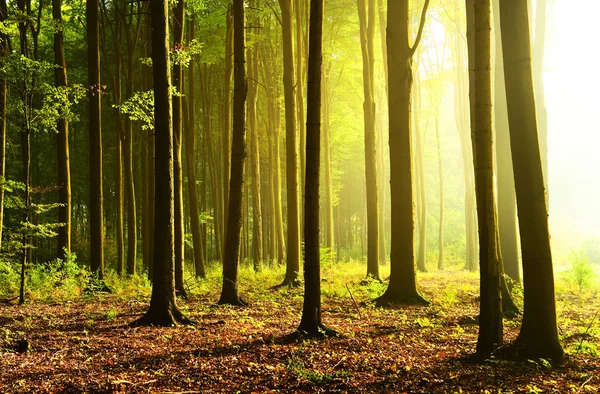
(153,149)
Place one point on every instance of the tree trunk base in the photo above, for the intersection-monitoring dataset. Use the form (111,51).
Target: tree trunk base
(535,348)
(389,299)
(232,299)
(181,293)
(314,330)
(509,309)
(288,282)
(164,318)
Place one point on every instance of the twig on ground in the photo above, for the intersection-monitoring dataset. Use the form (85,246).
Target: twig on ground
(584,383)
(354,301)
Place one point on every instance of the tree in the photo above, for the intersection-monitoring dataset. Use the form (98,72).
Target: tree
(257,222)
(539,49)
(539,333)
(293,226)
(311,323)
(507,209)
(163,309)
(178,22)
(229,293)
(367,34)
(403,281)
(62,139)
(490,315)
(95,135)
(190,144)
(3,100)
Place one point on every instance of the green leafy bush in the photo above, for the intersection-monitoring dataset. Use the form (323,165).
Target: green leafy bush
(581,272)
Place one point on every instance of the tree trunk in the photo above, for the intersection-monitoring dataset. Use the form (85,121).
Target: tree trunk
(539,49)
(293,239)
(421,192)
(229,293)
(311,323)
(151,180)
(329,237)
(539,334)
(4,50)
(95,144)
(281,250)
(403,281)
(62,141)
(507,209)
(163,309)
(461,114)
(226,145)
(119,146)
(300,9)
(190,143)
(178,21)
(257,222)
(441,176)
(490,317)
(367,34)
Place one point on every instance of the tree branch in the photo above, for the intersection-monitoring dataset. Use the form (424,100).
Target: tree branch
(421,26)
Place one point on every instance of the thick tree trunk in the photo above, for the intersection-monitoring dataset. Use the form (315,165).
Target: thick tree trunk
(539,49)
(403,281)
(226,145)
(490,317)
(461,114)
(62,141)
(367,34)
(311,323)
(539,333)
(507,208)
(163,309)
(95,135)
(178,21)
(229,293)
(293,226)
(299,13)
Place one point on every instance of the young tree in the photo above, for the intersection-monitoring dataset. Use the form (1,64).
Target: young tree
(178,21)
(293,226)
(62,140)
(539,49)
(190,143)
(163,309)
(539,333)
(403,281)
(367,37)
(490,316)
(257,222)
(3,100)
(229,293)
(95,135)
(311,323)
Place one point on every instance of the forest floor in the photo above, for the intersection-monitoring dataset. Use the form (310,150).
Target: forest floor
(85,345)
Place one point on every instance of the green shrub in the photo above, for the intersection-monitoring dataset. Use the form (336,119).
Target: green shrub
(581,272)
